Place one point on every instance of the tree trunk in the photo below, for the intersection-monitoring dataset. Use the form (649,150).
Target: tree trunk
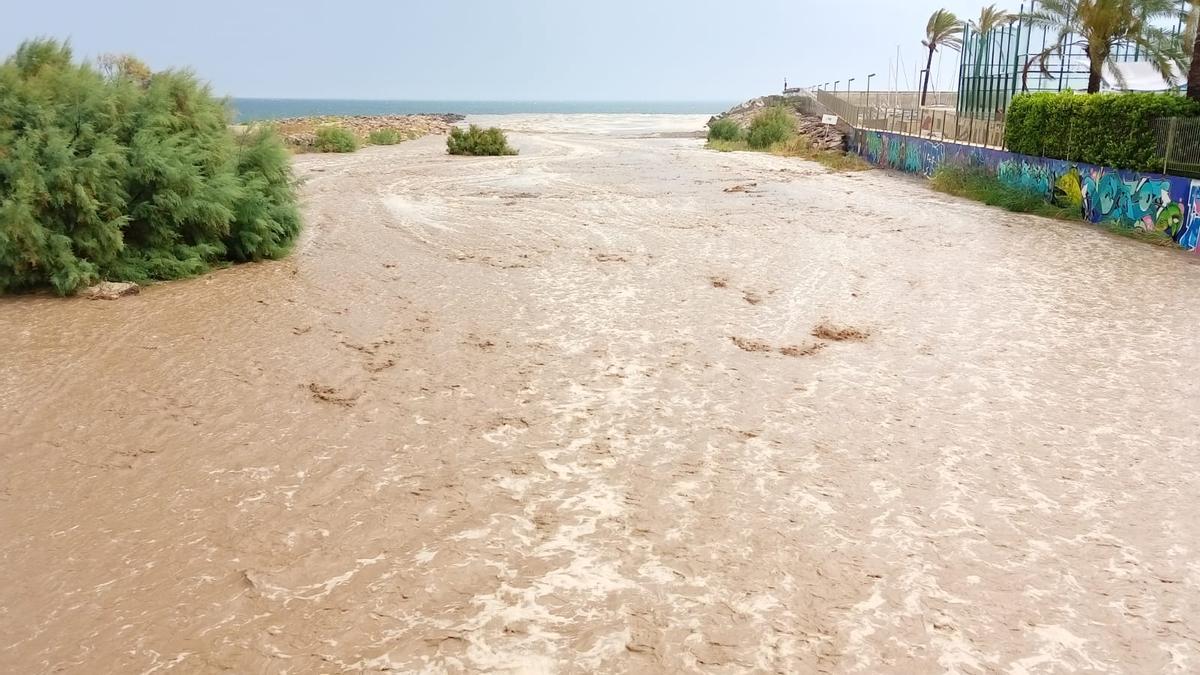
(1193,81)
(928,69)
(1096,68)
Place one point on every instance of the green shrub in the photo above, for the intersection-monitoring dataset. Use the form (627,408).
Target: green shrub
(835,160)
(724,129)
(121,175)
(977,184)
(773,125)
(476,140)
(335,139)
(384,137)
(1114,130)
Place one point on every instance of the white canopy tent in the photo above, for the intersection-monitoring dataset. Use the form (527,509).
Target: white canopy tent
(1138,76)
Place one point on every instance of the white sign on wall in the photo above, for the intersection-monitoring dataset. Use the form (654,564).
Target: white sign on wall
(829,119)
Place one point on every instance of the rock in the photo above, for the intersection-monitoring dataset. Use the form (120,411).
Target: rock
(822,136)
(302,131)
(111,290)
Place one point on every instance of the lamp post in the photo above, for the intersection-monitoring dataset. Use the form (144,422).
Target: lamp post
(835,84)
(921,108)
(868,105)
(826,87)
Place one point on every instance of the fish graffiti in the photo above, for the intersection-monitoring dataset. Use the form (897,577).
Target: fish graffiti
(1151,202)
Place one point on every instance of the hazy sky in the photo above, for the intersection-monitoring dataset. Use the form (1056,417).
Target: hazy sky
(498,49)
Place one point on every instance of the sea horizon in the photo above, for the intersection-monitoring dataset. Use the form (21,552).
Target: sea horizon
(248,109)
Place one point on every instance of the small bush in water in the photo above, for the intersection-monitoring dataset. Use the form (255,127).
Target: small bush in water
(773,125)
(384,137)
(476,140)
(724,130)
(335,139)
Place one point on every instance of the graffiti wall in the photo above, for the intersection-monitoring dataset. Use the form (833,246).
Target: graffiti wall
(1167,204)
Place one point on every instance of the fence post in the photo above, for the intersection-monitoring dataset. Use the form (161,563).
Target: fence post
(1170,142)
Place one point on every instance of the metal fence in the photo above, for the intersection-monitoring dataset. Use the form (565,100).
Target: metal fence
(944,123)
(1006,61)
(1178,140)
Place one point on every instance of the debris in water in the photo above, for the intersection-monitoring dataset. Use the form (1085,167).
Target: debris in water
(750,344)
(829,331)
(802,350)
(111,290)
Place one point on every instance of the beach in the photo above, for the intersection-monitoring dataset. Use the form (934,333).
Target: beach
(616,404)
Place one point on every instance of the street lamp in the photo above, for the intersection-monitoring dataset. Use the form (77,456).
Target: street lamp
(835,84)
(868,106)
(826,87)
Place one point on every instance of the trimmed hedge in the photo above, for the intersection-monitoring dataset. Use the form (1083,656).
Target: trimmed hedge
(1113,130)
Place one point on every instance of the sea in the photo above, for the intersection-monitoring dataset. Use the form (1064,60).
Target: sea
(255,109)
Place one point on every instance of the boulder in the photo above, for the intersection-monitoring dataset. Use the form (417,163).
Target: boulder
(823,136)
(111,290)
(302,131)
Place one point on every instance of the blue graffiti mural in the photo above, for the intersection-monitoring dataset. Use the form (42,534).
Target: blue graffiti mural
(1154,202)
(1189,236)
(902,153)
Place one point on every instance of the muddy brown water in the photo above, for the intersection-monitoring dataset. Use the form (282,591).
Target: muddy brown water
(493,416)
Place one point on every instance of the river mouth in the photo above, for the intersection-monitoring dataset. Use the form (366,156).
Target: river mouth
(584,409)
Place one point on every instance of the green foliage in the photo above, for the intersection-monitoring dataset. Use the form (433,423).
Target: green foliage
(266,220)
(977,184)
(724,129)
(943,30)
(1113,130)
(834,160)
(384,137)
(773,125)
(478,141)
(121,175)
(335,139)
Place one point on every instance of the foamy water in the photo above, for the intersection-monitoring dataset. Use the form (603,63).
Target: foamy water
(566,411)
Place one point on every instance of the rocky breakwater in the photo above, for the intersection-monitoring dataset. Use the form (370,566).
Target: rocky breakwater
(808,124)
(301,131)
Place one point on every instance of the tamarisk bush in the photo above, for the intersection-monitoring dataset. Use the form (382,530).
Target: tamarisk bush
(112,172)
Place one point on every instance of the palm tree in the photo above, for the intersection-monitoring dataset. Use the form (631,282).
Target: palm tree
(1098,26)
(943,30)
(989,19)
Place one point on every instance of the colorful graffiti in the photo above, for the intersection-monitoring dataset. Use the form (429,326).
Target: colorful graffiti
(896,152)
(1190,236)
(1167,204)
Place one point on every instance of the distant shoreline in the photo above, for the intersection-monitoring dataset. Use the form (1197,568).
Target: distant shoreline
(258,109)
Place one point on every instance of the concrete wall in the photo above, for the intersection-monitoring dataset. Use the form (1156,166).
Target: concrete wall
(1168,204)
